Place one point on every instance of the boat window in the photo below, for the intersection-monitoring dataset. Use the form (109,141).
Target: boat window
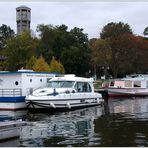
(82,87)
(119,84)
(128,83)
(146,84)
(30,80)
(16,82)
(60,84)
(111,83)
(137,84)
(40,80)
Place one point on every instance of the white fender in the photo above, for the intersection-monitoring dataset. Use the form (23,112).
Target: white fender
(68,105)
(52,105)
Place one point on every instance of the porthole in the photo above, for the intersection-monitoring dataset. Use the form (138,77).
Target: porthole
(40,80)
(16,83)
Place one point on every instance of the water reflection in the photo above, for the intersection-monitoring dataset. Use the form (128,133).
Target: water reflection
(125,123)
(12,115)
(61,129)
(11,131)
(136,107)
(121,122)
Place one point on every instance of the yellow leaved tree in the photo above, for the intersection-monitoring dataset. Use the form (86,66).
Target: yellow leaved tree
(41,65)
(56,66)
(31,62)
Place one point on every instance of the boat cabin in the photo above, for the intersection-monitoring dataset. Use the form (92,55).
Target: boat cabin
(22,82)
(128,84)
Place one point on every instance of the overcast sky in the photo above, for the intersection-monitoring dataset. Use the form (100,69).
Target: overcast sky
(91,16)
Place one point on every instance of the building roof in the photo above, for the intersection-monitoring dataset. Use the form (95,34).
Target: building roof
(23,7)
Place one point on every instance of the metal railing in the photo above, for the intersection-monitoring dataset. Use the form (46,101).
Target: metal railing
(10,92)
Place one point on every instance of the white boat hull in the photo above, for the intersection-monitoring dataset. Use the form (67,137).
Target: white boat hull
(12,103)
(13,106)
(59,103)
(127,92)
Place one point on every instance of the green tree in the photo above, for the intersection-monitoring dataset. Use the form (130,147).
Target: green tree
(75,60)
(41,65)
(77,56)
(18,51)
(56,66)
(31,62)
(5,33)
(53,40)
(78,38)
(57,41)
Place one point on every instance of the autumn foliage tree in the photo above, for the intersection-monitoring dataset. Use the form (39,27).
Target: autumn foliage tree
(31,62)
(56,66)
(100,54)
(41,65)
(116,33)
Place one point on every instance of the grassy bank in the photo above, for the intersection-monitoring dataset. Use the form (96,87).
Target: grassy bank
(98,83)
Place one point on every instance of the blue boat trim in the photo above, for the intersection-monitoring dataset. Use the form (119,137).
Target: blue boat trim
(27,72)
(12,99)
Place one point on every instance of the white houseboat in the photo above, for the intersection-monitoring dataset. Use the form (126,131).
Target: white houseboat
(136,85)
(65,92)
(14,86)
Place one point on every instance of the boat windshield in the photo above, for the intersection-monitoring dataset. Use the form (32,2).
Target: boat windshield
(60,84)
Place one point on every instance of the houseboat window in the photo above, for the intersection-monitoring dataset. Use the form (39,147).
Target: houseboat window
(82,87)
(128,83)
(60,84)
(16,83)
(119,84)
(137,84)
(30,80)
(146,84)
(111,83)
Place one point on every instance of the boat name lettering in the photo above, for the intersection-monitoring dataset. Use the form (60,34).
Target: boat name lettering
(29,75)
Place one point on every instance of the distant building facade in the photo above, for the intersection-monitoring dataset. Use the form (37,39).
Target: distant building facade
(23,18)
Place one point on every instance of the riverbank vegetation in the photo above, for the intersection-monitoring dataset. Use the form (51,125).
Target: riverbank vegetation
(116,52)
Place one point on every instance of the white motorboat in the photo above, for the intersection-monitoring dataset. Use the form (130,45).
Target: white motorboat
(65,92)
(130,86)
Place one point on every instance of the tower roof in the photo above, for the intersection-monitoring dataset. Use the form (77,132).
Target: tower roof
(23,7)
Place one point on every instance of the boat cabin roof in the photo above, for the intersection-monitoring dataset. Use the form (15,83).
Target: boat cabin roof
(72,78)
(27,71)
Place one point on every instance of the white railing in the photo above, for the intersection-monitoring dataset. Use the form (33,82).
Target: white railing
(10,92)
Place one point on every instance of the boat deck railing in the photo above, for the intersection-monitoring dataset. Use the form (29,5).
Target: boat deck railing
(10,92)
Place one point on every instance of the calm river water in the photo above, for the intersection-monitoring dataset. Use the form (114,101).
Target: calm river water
(120,122)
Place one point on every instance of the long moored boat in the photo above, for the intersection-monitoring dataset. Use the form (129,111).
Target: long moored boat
(136,85)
